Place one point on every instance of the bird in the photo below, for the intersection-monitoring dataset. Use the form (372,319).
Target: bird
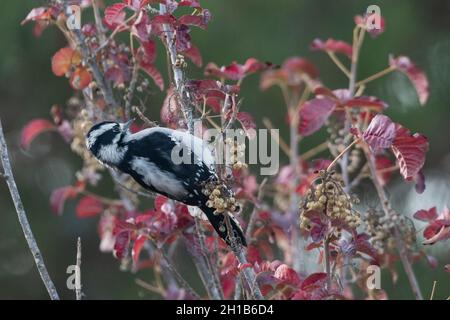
(148,157)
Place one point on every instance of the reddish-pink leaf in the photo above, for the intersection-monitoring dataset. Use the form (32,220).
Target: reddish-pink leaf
(415,74)
(37,14)
(149,50)
(137,247)
(80,78)
(426,215)
(314,113)
(366,101)
(440,234)
(197,21)
(63,60)
(89,206)
(248,123)
(313,280)
(447,268)
(380,133)
(194,55)
(410,150)
(59,197)
(297,65)
(154,73)
(287,274)
(374,20)
(235,71)
(33,129)
(331,45)
(121,244)
(137,4)
(115,15)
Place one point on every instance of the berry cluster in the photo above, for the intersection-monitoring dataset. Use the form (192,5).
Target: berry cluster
(237,154)
(380,228)
(220,197)
(329,197)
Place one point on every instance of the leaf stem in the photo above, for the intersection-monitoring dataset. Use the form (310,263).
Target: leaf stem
(339,63)
(342,153)
(376,76)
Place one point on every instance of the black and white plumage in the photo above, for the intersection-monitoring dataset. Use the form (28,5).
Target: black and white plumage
(147,157)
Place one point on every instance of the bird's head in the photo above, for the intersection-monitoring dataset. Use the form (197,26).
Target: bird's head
(104,140)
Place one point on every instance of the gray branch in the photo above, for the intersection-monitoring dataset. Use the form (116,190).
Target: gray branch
(31,241)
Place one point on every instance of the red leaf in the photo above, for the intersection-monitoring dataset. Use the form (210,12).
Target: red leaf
(33,129)
(297,65)
(89,206)
(137,247)
(197,21)
(447,268)
(137,4)
(37,14)
(235,71)
(59,197)
(335,46)
(375,20)
(410,151)
(366,101)
(194,54)
(63,60)
(149,50)
(287,274)
(248,123)
(313,115)
(380,133)
(154,73)
(115,15)
(415,75)
(121,244)
(313,280)
(426,215)
(80,78)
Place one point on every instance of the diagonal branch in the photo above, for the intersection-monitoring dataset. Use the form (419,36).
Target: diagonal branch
(31,241)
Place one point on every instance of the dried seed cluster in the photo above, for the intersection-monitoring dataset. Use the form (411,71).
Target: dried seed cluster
(329,197)
(220,197)
(380,228)
(237,153)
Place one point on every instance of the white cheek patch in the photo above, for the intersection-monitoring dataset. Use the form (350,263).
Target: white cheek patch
(162,181)
(98,132)
(110,154)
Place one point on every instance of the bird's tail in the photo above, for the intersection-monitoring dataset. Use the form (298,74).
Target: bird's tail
(220,225)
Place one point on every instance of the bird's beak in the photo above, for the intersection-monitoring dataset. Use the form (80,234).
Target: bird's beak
(127,125)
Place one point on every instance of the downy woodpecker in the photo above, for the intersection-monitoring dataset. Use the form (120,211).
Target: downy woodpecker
(148,157)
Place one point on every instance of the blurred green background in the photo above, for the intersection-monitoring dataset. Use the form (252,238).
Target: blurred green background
(267,30)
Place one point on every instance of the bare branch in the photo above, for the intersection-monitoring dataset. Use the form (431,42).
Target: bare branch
(31,241)
(78,291)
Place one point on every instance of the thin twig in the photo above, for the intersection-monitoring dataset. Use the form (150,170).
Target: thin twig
(178,75)
(21,214)
(326,249)
(146,120)
(78,292)
(253,215)
(177,275)
(433,290)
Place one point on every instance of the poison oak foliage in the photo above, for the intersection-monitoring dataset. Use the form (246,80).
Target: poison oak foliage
(122,55)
